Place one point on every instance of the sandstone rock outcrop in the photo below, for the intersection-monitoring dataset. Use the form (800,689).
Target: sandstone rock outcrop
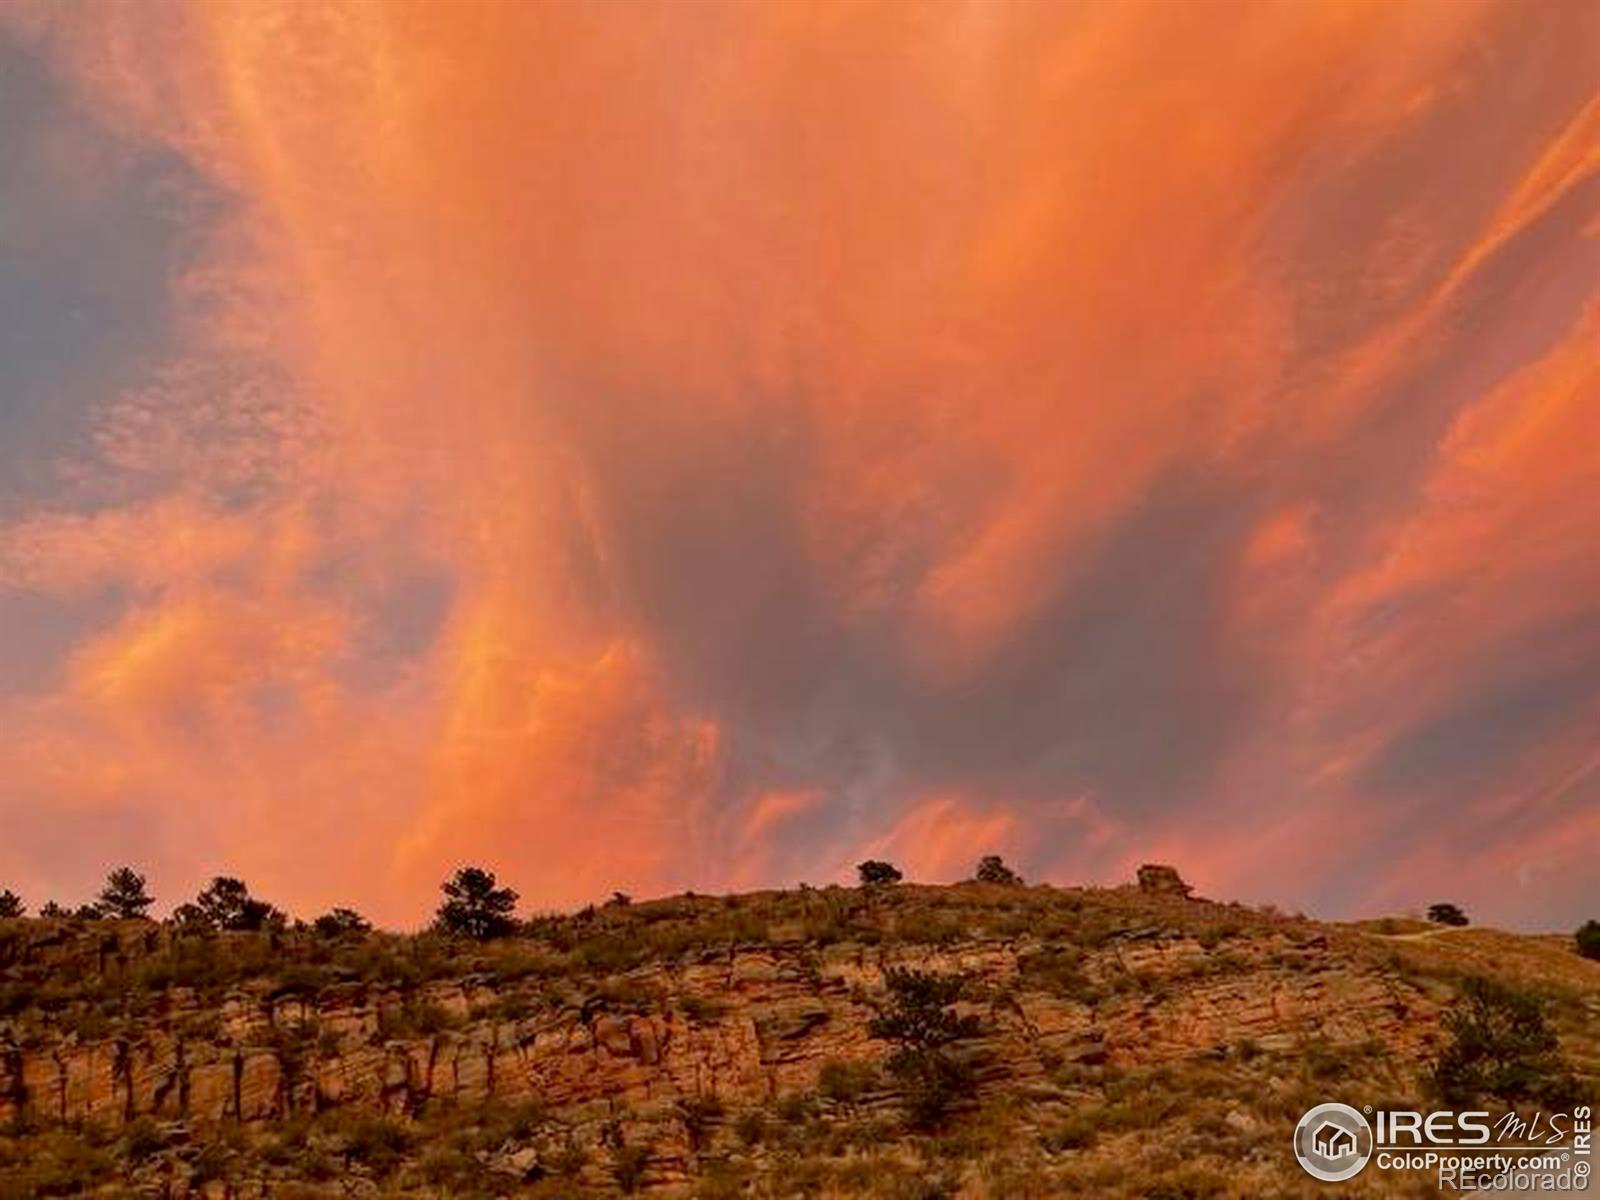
(1156,879)
(1131,1042)
(741,1023)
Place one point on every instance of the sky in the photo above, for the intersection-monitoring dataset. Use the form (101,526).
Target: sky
(662,446)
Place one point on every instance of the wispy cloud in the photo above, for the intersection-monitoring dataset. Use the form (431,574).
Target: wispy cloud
(663,446)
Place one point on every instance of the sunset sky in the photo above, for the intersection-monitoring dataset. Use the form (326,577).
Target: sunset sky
(700,445)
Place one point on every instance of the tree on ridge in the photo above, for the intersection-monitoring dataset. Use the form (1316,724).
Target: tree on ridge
(475,907)
(124,897)
(875,872)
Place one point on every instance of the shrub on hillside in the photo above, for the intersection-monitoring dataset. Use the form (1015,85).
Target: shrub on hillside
(475,907)
(1588,939)
(341,922)
(846,1082)
(1502,1046)
(921,1023)
(875,871)
(1447,914)
(991,869)
(11,905)
(378,1143)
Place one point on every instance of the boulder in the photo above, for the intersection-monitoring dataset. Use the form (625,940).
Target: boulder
(1156,879)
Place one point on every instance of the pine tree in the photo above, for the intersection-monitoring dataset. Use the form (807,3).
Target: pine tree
(227,904)
(124,897)
(474,907)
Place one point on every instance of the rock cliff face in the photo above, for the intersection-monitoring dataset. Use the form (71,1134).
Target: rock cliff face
(629,1026)
(745,1024)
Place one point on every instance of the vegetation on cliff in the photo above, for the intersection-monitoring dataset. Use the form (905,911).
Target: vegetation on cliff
(979,1040)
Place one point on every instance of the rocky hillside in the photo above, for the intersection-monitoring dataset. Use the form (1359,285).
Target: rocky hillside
(1126,1043)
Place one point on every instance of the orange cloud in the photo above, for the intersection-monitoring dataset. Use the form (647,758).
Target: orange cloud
(943,838)
(660,446)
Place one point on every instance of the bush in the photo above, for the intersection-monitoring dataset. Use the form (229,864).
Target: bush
(341,922)
(141,1139)
(992,870)
(920,1015)
(921,1023)
(1588,939)
(875,871)
(1077,1132)
(415,1018)
(846,1082)
(474,907)
(1212,936)
(1446,914)
(1059,970)
(11,905)
(59,1164)
(1500,1046)
(379,1143)
(933,1083)
(124,898)
(228,904)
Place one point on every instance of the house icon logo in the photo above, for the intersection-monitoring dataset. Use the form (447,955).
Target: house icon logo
(1333,1142)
